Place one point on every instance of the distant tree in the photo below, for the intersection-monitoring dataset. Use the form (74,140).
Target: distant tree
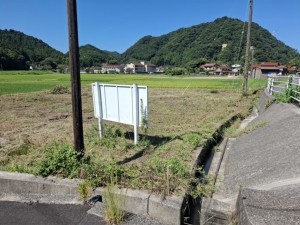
(175,71)
(49,63)
(294,62)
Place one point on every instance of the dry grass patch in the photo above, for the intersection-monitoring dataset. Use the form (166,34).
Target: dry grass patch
(179,121)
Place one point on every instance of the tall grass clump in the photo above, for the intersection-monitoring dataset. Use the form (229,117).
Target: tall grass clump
(113,204)
(85,190)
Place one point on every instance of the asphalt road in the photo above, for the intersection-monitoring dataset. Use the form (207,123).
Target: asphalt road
(14,213)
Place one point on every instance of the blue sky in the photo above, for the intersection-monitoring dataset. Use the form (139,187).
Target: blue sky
(115,25)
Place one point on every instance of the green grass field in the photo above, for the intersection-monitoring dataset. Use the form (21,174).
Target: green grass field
(31,81)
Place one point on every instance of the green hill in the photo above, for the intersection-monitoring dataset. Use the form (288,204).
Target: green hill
(222,41)
(92,56)
(202,43)
(19,51)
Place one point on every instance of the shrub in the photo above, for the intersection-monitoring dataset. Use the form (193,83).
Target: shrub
(61,159)
(175,71)
(60,89)
(99,174)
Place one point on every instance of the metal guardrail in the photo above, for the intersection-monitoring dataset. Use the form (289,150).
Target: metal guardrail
(281,84)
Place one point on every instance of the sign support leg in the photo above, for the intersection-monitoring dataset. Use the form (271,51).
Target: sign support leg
(100,119)
(136,113)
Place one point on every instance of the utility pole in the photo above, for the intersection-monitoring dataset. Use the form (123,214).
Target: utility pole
(246,67)
(75,76)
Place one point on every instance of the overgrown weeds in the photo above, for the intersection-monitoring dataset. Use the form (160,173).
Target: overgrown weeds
(100,173)
(85,190)
(113,205)
(205,187)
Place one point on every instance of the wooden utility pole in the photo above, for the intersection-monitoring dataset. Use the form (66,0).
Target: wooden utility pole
(75,76)
(246,67)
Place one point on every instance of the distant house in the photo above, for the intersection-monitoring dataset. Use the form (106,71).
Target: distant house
(236,68)
(209,67)
(223,70)
(111,68)
(149,68)
(97,69)
(141,67)
(293,70)
(264,69)
(134,68)
(215,69)
(160,69)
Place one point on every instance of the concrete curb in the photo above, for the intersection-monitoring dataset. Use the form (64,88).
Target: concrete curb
(21,187)
(216,212)
(27,187)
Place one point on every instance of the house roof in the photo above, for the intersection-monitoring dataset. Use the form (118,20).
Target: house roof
(209,64)
(255,65)
(270,64)
(225,67)
(111,66)
(269,68)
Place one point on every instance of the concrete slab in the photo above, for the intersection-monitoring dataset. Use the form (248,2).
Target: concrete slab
(267,154)
(267,158)
(266,207)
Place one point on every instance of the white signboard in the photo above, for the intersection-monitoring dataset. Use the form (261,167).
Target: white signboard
(121,103)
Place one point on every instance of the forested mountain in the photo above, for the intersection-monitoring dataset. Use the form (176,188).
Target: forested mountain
(221,41)
(19,51)
(92,56)
(202,43)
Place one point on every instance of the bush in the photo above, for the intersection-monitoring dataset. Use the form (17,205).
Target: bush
(60,89)
(175,71)
(62,160)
